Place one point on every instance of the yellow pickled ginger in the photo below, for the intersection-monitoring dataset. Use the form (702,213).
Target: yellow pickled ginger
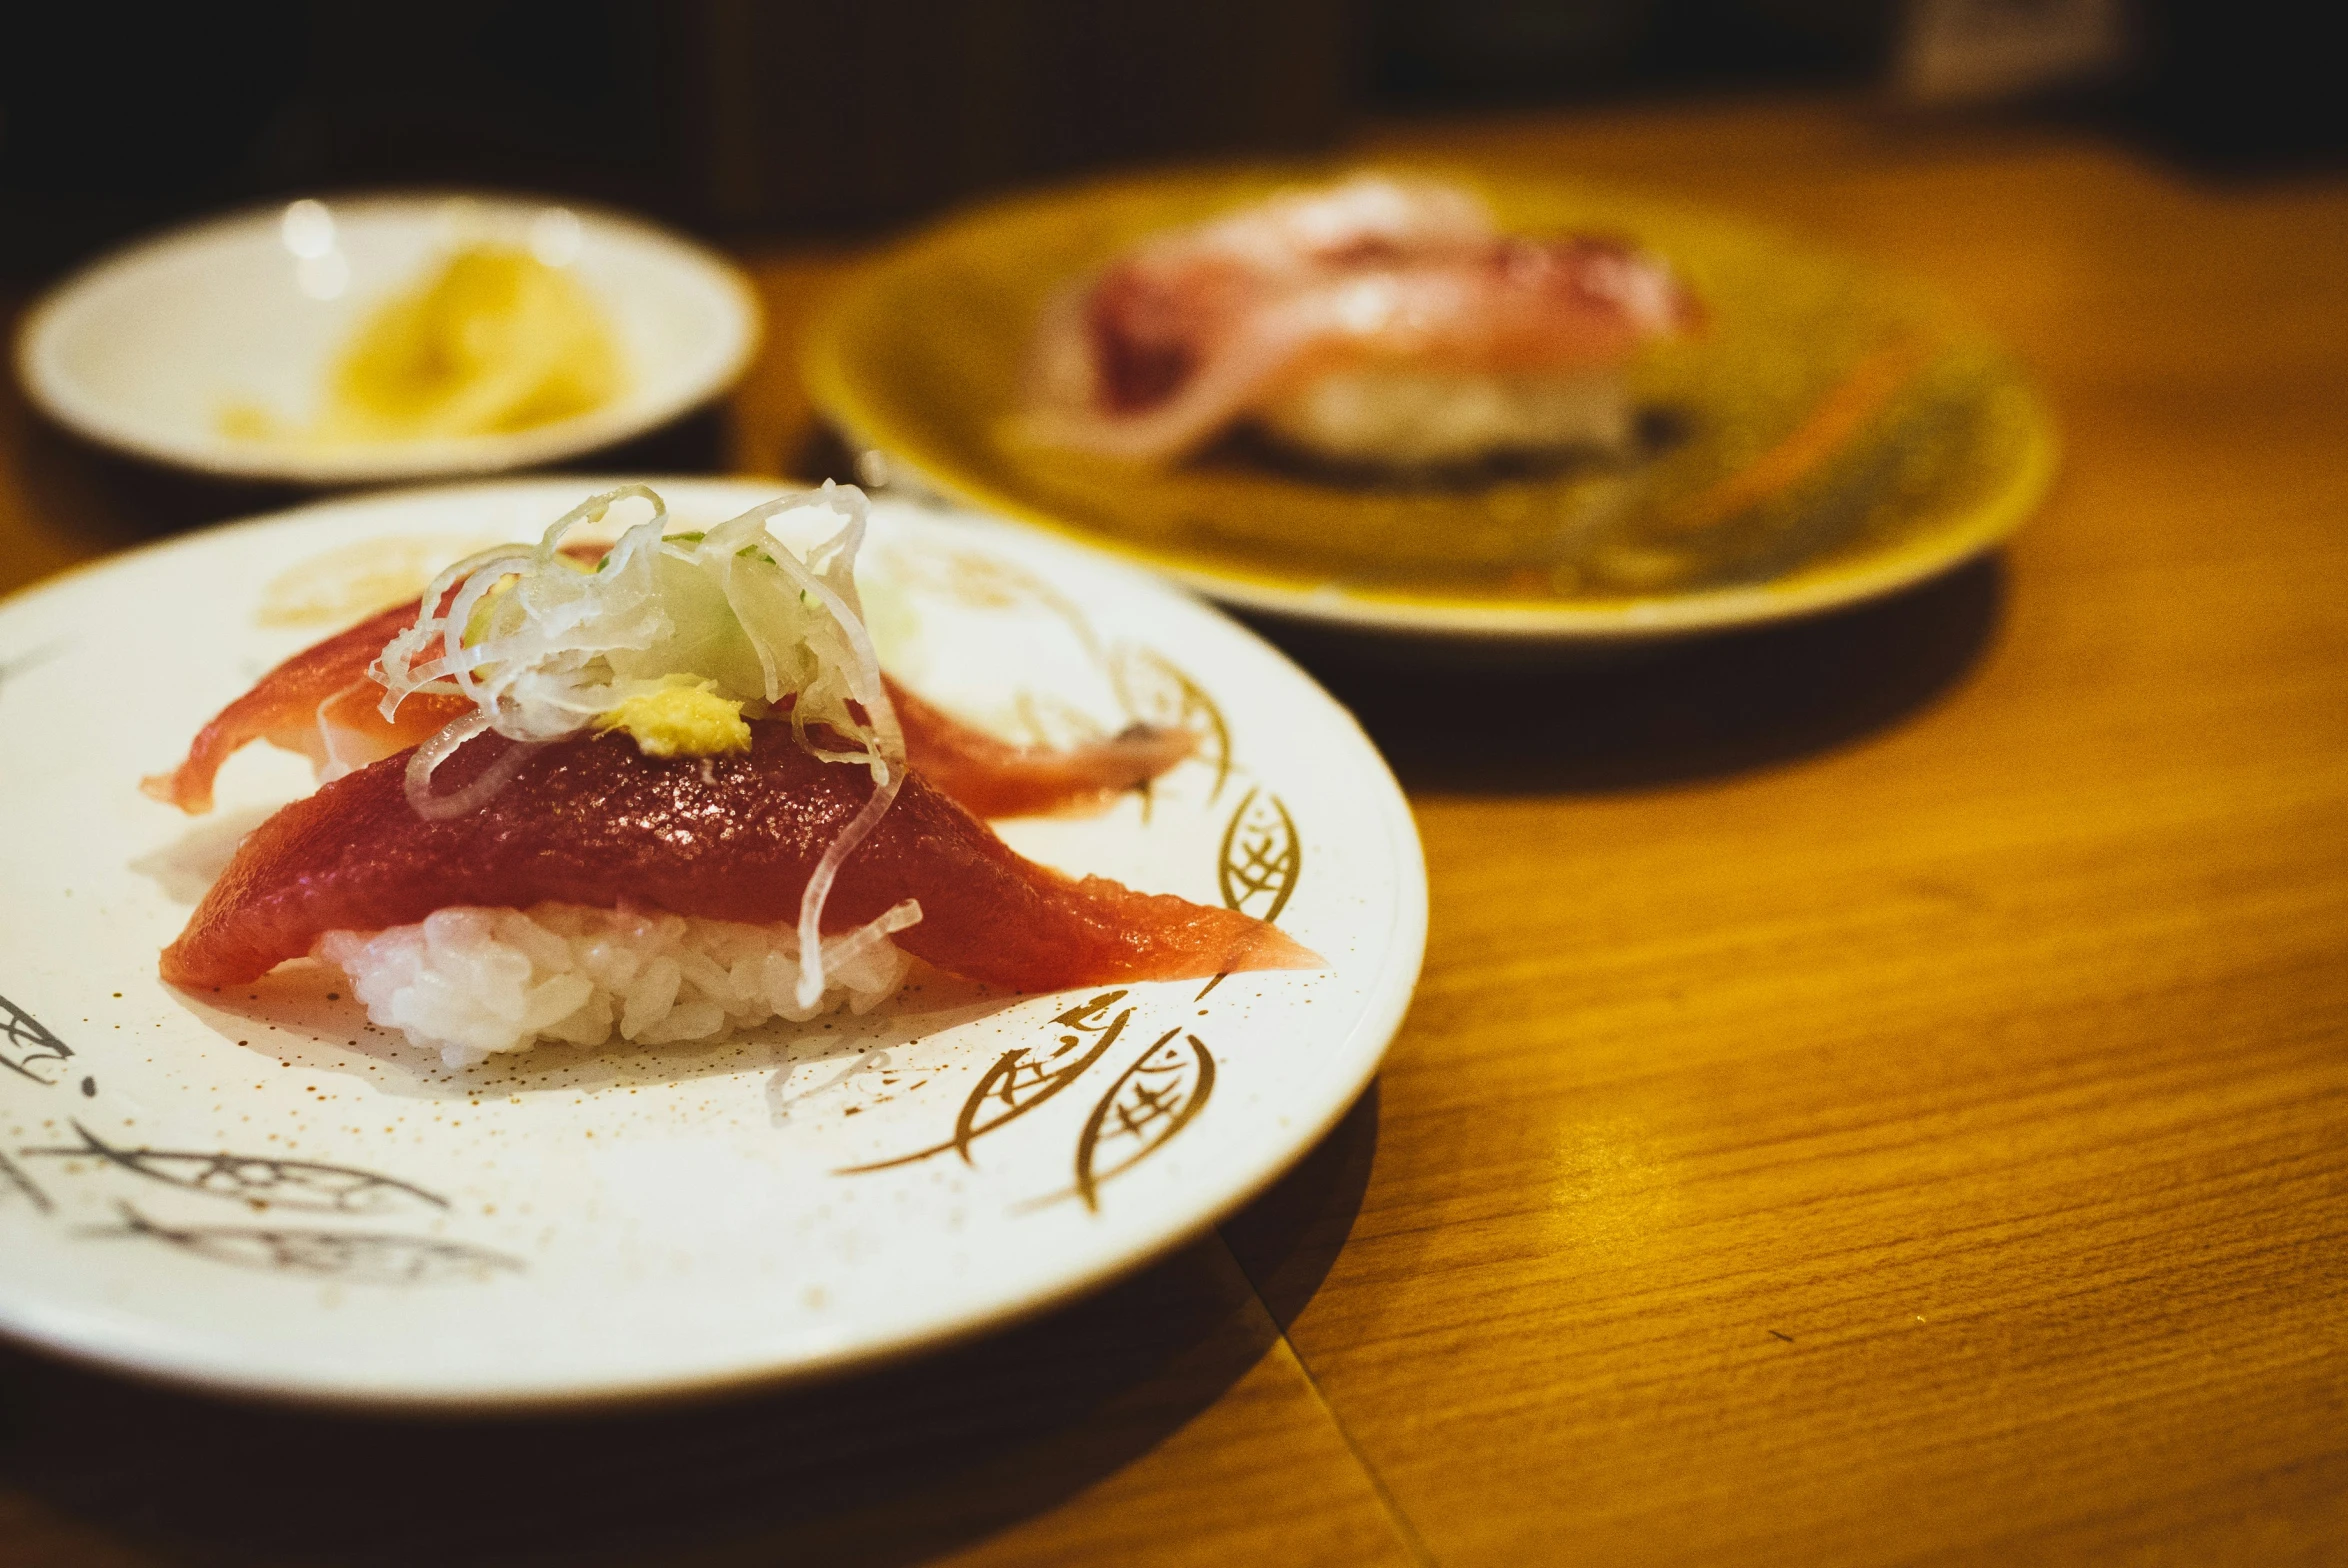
(494,341)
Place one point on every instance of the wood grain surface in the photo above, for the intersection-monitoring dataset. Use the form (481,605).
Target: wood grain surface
(1879,1091)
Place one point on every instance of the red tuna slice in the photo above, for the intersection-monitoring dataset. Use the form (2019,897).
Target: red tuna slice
(993,778)
(322,703)
(319,703)
(594,821)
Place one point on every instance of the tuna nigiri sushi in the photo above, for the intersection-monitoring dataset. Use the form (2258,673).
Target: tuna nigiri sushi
(1379,322)
(663,796)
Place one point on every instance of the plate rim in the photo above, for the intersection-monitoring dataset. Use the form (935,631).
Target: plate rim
(833,388)
(125,1345)
(402,463)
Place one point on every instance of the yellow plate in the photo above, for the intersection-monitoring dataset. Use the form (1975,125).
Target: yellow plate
(1832,435)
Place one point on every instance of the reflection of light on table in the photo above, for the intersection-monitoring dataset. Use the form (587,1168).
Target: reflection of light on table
(554,236)
(320,268)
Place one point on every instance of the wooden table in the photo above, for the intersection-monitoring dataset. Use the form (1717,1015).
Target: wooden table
(1879,1091)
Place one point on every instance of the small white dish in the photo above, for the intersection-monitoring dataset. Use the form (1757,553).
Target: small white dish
(147,350)
(260,1193)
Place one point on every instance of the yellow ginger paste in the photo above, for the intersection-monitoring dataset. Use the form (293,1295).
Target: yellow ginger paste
(681,721)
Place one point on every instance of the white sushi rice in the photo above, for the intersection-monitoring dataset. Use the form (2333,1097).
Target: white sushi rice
(1404,417)
(471,982)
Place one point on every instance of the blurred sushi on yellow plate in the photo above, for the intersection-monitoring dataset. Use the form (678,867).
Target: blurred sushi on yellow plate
(1438,400)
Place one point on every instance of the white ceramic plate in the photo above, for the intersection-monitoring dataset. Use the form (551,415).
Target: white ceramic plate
(146,350)
(262,1193)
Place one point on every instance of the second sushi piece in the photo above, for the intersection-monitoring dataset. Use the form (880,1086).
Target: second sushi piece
(1378,322)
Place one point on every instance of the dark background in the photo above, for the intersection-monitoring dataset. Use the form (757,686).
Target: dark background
(799,117)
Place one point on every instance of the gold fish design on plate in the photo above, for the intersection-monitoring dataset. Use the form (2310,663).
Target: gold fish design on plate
(26,1043)
(1152,1100)
(1262,857)
(1023,1079)
(356,1257)
(255,1179)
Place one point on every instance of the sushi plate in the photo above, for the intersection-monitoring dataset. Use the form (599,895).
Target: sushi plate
(1830,436)
(257,1191)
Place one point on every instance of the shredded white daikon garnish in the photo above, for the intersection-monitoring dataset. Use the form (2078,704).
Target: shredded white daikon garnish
(542,646)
